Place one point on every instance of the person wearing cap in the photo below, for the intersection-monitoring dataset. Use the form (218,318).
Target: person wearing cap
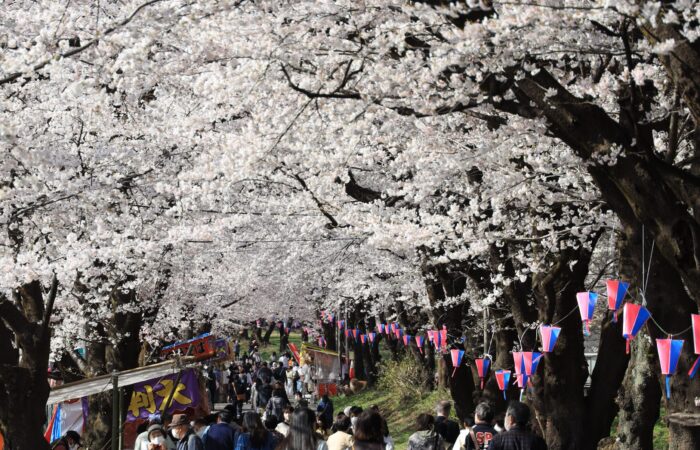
(69,441)
(141,442)
(186,438)
(156,438)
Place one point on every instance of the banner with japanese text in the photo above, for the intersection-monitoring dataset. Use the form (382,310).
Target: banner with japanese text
(150,397)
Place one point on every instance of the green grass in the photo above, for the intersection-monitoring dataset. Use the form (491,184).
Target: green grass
(661,431)
(274,346)
(401,416)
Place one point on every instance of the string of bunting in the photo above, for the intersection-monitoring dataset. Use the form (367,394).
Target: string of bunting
(634,317)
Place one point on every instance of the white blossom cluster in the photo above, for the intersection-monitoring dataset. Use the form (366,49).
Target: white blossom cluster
(215,144)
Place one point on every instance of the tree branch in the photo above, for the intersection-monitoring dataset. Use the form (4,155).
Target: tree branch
(48,310)
(12,316)
(16,75)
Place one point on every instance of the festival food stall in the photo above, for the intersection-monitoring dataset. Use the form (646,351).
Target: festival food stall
(172,386)
(325,368)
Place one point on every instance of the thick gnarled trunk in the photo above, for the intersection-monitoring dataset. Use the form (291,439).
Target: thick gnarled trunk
(639,397)
(24,387)
(558,389)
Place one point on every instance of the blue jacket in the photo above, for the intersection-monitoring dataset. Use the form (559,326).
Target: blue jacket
(220,437)
(243,442)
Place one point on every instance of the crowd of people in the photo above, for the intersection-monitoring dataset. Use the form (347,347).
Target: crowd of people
(482,432)
(299,427)
(254,380)
(280,394)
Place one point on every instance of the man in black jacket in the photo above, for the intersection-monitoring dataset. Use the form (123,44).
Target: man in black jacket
(518,437)
(445,427)
(481,434)
(220,435)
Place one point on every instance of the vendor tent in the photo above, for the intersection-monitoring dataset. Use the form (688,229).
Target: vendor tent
(97,385)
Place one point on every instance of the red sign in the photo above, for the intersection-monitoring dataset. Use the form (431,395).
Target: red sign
(201,347)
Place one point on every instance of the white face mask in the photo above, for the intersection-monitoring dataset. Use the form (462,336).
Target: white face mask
(158,440)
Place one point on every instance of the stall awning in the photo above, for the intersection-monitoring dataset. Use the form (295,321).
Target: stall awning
(103,383)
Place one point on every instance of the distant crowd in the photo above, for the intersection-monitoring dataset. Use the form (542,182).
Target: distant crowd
(299,427)
(281,394)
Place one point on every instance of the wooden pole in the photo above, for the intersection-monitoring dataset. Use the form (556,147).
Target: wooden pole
(115,411)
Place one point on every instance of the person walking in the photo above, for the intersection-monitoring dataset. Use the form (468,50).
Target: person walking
(221,436)
(368,433)
(283,427)
(275,406)
(478,436)
(426,437)
(301,433)
(255,436)
(446,427)
(325,411)
(240,391)
(186,437)
(341,439)
(517,436)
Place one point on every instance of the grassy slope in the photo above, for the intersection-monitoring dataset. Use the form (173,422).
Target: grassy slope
(400,416)
(266,350)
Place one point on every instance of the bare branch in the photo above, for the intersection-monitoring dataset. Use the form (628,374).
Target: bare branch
(16,75)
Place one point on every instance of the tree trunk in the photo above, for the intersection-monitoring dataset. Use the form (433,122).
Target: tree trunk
(504,339)
(24,387)
(670,305)
(640,397)
(329,330)
(607,376)
(685,429)
(284,341)
(257,333)
(115,349)
(268,332)
(562,373)
(461,385)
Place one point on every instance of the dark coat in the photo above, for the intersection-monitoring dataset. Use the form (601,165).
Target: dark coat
(221,436)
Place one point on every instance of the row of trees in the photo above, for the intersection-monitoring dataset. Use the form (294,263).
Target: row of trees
(177,166)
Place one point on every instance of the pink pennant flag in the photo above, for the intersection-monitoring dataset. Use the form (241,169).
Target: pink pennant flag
(616,295)
(419,343)
(503,379)
(482,368)
(457,356)
(695,320)
(586,304)
(633,319)
(549,336)
(518,360)
(669,354)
